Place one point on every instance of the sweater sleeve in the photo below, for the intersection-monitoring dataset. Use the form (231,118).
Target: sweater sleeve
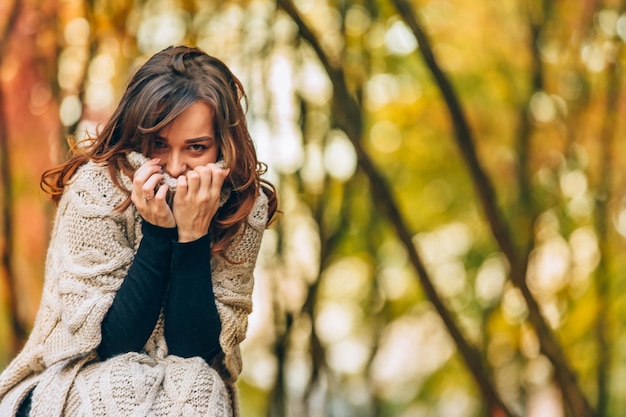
(136,306)
(232,283)
(91,249)
(192,324)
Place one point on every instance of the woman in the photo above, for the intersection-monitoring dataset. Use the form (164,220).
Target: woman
(149,269)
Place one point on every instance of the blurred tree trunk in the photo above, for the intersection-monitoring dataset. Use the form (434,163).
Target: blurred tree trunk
(603,215)
(575,398)
(348,117)
(29,130)
(6,256)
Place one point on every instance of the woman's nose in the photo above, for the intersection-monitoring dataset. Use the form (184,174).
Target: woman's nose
(175,165)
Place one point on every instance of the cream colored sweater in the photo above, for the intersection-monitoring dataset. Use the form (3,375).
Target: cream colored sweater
(91,248)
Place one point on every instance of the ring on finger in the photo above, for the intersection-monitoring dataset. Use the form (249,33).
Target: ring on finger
(147,197)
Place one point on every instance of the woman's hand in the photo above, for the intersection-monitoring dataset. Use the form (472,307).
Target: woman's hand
(151,205)
(197,199)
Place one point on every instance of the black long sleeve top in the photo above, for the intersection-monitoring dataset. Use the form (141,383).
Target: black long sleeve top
(169,274)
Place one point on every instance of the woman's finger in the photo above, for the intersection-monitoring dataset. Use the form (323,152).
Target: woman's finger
(213,175)
(148,168)
(181,187)
(216,177)
(161,193)
(193,182)
(219,175)
(206,178)
(144,173)
(149,187)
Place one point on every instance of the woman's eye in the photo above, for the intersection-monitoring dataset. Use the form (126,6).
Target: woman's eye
(196,147)
(159,144)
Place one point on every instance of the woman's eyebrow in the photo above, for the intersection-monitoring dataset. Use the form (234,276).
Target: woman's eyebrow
(199,139)
(191,140)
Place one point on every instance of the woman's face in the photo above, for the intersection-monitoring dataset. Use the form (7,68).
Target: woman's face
(188,142)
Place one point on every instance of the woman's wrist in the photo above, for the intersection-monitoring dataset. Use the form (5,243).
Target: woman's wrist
(156,231)
(186,237)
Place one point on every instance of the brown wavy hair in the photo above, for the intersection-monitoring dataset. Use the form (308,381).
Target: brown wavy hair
(161,89)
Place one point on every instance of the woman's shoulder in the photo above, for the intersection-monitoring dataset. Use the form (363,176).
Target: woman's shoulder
(259,215)
(92,183)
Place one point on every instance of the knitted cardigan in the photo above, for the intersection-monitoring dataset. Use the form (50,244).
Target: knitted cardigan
(91,248)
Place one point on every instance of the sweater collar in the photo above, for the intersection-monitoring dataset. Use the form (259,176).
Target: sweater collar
(137,159)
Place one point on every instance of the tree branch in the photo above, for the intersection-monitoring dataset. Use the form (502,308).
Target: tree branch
(348,117)
(550,346)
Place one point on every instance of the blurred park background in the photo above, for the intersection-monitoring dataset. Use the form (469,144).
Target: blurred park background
(451,180)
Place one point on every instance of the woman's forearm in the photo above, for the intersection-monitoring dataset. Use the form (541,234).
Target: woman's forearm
(135,309)
(192,323)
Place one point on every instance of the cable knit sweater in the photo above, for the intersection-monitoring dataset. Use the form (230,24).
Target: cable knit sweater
(91,248)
